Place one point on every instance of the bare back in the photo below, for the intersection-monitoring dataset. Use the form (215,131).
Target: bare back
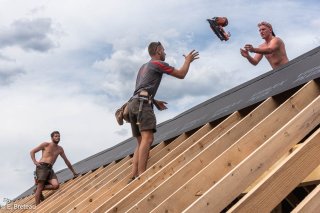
(278,56)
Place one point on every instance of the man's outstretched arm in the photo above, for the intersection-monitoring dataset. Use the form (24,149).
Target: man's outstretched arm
(182,72)
(265,49)
(253,60)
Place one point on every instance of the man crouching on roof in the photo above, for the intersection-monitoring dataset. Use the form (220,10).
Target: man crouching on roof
(46,179)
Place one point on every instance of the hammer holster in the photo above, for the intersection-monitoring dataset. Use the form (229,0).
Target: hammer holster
(143,97)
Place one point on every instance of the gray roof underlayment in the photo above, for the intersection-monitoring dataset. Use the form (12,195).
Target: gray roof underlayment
(297,72)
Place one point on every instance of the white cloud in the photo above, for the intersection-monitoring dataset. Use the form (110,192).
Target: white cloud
(9,70)
(28,34)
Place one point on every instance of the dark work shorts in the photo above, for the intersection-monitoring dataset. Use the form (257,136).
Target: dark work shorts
(147,118)
(45,172)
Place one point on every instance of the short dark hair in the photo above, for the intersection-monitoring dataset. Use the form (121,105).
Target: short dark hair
(152,48)
(54,132)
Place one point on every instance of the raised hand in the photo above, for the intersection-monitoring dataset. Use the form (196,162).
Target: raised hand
(193,55)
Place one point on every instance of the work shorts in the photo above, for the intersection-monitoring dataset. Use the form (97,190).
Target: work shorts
(44,172)
(147,119)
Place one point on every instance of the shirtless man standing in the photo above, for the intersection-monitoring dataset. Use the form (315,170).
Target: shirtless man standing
(46,178)
(273,48)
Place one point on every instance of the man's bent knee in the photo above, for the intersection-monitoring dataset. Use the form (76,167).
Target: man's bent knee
(55,186)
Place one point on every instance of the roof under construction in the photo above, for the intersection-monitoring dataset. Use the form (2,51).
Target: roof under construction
(225,154)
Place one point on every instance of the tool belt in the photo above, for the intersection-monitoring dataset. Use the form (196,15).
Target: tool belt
(122,114)
(143,97)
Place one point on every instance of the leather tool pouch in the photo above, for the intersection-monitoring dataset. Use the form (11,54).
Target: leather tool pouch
(122,114)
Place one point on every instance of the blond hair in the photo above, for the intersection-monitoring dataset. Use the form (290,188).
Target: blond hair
(264,23)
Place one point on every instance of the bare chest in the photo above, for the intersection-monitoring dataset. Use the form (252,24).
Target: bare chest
(51,151)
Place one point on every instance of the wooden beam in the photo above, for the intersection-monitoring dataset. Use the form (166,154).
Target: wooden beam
(283,179)
(47,203)
(174,160)
(184,194)
(107,176)
(83,187)
(31,198)
(311,203)
(239,178)
(58,202)
(112,196)
(123,191)
(21,201)
(161,153)
(227,161)
(313,178)
(95,194)
(284,157)
(80,194)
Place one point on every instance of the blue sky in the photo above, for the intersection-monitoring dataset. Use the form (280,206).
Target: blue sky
(66,65)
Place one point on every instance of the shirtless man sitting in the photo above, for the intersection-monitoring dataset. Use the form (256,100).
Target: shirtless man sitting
(273,48)
(46,178)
